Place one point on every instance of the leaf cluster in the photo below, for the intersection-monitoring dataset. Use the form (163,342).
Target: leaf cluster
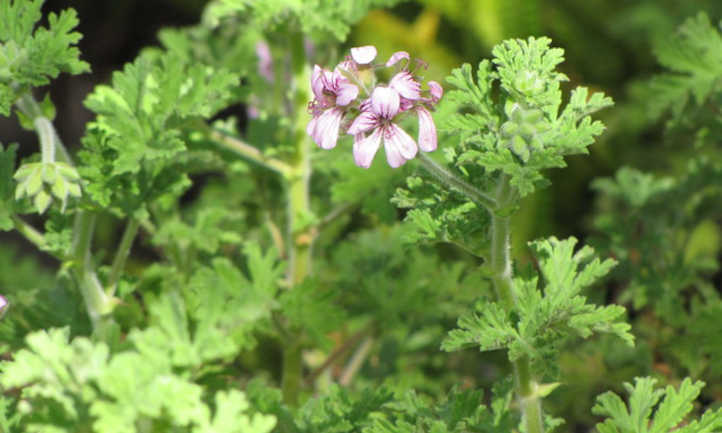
(30,55)
(544,318)
(510,117)
(655,410)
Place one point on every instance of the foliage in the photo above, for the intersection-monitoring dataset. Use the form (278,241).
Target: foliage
(654,410)
(547,317)
(200,267)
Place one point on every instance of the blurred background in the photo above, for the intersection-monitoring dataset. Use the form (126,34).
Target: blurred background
(608,46)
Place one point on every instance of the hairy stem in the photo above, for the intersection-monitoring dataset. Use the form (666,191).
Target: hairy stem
(50,142)
(500,262)
(97,302)
(248,152)
(121,254)
(299,231)
(452,181)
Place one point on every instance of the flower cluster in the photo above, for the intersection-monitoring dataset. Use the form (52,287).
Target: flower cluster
(350,99)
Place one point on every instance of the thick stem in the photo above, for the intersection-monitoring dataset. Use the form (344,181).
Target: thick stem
(452,181)
(299,229)
(121,255)
(97,302)
(500,262)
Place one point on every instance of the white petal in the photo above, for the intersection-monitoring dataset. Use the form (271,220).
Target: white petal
(346,93)
(363,55)
(398,138)
(317,81)
(385,102)
(364,149)
(364,122)
(311,127)
(326,131)
(427,130)
(396,57)
(405,84)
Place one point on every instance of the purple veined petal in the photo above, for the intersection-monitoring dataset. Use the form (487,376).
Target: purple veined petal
(393,155)
(404,83)
(400,140)
(346,93)
(396,57)
(317,82)
(325,133)
(364,149)
(363,55)
(4,302)
(427,130)
(385,102)
(436,91)
(363,123)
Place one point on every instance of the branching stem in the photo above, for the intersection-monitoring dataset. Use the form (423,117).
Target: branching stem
(501,267)
(452,181)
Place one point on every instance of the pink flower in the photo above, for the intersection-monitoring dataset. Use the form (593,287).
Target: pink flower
(378,118)
(397,57)
(427,130)
(3,305)
(404,83)
(436,91)
(265,60)
(331,91)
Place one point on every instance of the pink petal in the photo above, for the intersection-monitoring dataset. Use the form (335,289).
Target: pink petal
(427,130)
(364,122)
(364,149)
(405,84)
(325,133)
(311,127)
(396,57)
(436,90)
(398,139)
(346,93)
(363,55)
(4,302)
(385,102)
(265,61)
(317,82)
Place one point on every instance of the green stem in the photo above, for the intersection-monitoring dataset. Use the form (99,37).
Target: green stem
(454,182)
(30,232)
(97,302)
(247,151)
(300,232)
(121,254)
(500,263)
(50,143)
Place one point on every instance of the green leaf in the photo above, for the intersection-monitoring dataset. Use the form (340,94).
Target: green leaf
(134,152)
(654,410)
(7,201)
(545,317)
(31,55)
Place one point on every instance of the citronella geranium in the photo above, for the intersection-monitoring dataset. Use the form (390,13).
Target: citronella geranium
(374,117)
